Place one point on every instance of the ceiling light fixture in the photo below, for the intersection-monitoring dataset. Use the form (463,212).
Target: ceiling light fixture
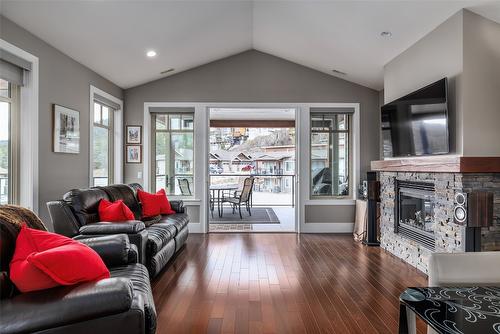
(151,53)
(386,34)
(338,72)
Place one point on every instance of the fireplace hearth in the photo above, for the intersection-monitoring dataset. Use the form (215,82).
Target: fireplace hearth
(414,212)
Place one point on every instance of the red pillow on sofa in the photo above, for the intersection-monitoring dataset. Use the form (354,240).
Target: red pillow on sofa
(154,204)
(44,260)
(114,211)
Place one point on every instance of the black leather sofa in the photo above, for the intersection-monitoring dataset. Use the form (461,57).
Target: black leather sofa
(122,303)
(157,239)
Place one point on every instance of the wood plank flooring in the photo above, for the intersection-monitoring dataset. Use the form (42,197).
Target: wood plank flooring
(281,283)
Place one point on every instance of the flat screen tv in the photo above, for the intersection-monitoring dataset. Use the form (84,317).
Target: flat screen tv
(417,124)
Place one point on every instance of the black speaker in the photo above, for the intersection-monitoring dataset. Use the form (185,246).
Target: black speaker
(373,199)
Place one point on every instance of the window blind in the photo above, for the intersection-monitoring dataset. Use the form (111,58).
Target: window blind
(13,68)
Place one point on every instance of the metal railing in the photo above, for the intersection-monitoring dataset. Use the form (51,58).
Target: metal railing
(275,192)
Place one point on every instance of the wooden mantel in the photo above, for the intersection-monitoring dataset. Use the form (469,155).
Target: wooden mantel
(439,164)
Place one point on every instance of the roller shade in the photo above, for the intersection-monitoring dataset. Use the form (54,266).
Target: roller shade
(332,110)
(12,68)
(102,100)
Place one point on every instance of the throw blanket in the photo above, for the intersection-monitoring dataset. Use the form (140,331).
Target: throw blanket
(11,219)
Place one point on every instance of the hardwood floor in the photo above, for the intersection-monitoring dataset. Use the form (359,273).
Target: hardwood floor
(281,283)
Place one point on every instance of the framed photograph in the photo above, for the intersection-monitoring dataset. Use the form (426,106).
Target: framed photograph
(66,130)
(134,154)
(134,134)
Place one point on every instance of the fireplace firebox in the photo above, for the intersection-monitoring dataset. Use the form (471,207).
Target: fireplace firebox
(414,212)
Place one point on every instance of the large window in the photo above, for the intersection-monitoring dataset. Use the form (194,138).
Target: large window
(173,156)
(103,153)
(330,165)
(9,112)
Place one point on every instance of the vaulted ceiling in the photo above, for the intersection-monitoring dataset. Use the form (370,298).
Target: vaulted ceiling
(112,37)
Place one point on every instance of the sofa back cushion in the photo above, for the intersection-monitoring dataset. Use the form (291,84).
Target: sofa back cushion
(125,193)
(85,204)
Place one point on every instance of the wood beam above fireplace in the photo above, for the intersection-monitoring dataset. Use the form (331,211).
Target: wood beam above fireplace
(439,164)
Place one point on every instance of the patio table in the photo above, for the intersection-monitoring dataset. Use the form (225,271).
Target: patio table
(221,188)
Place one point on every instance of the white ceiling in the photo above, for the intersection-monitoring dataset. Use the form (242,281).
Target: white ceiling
(111,37)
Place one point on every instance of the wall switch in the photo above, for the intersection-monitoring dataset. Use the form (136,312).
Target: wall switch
(139,175)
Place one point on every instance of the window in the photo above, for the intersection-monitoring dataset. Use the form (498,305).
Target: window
(9,113)
(103,152)
(173,156)
(330,155)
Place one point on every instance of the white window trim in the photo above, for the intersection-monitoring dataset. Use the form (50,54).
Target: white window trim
(28,155)
(117,135)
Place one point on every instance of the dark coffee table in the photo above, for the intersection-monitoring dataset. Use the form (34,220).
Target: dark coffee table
(467,310)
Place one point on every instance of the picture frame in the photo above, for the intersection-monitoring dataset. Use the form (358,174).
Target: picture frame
(133,154)
(66,136)
(134,134)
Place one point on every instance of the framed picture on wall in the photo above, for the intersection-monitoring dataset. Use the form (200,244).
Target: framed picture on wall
(66,130)
(134,154)
(134,134)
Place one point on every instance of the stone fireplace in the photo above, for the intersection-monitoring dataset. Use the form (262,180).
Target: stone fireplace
(417,206)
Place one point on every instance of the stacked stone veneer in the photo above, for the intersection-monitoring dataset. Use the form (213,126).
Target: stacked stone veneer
(450,237)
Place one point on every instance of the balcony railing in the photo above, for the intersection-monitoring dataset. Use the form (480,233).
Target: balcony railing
(268,189)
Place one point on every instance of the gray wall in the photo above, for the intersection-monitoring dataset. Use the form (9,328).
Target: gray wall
(437,55)
(481,86)
(253,76)
(63,81)
(466,49)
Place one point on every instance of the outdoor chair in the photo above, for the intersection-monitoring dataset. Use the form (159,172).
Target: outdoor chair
(184,186)
(242,198)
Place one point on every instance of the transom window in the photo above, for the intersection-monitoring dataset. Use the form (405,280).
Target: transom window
(103,152)
(330,155)
(173,156)
(9,142)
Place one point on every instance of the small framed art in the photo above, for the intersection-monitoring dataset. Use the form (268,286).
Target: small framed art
(134,154)
(134,134)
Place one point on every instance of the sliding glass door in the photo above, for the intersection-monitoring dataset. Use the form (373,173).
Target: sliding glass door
(173,153)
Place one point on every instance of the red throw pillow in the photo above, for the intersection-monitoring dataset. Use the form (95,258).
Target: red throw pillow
(44,260)
(114,211)
(154,204)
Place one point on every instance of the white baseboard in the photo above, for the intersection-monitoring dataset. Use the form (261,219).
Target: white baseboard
(195,228)
(327,228)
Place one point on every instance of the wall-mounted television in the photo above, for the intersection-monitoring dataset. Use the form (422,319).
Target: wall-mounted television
(417,124)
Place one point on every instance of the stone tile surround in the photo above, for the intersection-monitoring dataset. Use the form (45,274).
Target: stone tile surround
(450,237)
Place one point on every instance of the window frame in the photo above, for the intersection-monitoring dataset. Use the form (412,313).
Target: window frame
(111,141)
(13,178)
(350,148)
(168,130)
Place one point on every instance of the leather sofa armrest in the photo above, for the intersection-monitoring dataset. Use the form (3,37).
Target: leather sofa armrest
(113,249)
(133,254)
(127,227)
(40,310)
(177,206)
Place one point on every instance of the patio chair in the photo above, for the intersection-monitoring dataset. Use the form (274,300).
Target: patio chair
(242,198)
(238,192)
(184,186)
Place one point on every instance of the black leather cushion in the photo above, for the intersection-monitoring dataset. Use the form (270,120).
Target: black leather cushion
(113,249)
(127,194)
(179,220)
(151,220)
(138,275)
(158,237)
(85,204)
(29,312)
(127,227)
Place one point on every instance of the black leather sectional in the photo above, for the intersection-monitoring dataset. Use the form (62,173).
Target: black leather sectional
(157,239)
(121,304)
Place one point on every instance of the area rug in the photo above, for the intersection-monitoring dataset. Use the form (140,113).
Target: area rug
(259,216)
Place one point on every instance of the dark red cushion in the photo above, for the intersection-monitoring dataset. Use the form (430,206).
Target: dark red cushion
(44,260)
(114,211)
(154,204)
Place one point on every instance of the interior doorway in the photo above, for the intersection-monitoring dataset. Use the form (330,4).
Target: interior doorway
(252,185)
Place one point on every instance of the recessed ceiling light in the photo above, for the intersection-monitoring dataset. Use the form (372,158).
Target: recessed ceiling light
(167,71)
(151,53)
(386,34)
(338,72)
